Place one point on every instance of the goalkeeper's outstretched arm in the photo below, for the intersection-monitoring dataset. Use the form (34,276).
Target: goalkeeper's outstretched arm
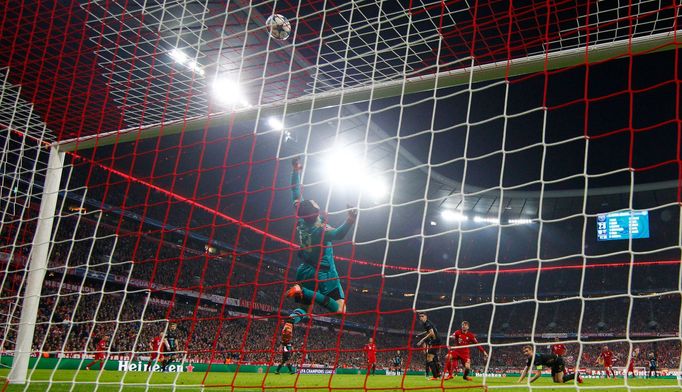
(296,196)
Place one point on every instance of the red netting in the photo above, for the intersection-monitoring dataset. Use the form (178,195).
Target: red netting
(492,211)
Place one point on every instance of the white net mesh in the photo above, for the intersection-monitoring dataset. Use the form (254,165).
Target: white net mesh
(490,148)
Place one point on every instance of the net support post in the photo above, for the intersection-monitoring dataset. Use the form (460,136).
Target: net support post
(37,267)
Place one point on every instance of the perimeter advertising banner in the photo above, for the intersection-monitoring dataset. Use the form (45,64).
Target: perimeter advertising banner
(141,366)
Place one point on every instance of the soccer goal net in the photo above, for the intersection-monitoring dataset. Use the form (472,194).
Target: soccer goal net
(340,195)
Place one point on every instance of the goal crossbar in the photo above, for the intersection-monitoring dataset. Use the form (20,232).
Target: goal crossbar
(492,71)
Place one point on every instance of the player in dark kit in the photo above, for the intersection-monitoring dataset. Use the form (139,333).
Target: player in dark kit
(318,280)
(398,363)
(370,350)
(430,340)
(100,354)
(287,348)
(553,361)
(172,340)
(653,365)
(463,338)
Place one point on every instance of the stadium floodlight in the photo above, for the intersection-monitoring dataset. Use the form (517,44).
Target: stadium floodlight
(376,188)
(452,216)
(183,59)
(344,167)
(195,67)
(229,93)
(179,56)
(347,170)
(276,124)
(485,219)
(520,221)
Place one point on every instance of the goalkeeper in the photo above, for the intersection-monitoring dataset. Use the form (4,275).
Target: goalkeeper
(318,281)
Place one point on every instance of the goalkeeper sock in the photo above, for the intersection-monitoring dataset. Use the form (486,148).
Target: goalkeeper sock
(568,377)
(320,299)
(291,369)
(466,373)
(278,368)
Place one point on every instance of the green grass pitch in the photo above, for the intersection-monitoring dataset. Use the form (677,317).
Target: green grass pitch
(62,380)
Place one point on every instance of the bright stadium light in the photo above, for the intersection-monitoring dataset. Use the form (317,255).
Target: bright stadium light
(452,216)
(377,189)
(485,219)
(520,221)
(179,56)
(346,169)
(276,124)
(229,93)
(183,59)
(195,67)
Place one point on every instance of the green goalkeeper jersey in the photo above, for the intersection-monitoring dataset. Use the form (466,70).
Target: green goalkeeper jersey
(316,238)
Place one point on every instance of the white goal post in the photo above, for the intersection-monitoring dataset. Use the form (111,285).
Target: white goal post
(37,267)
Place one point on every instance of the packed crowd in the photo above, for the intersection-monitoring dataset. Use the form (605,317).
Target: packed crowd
(71,322)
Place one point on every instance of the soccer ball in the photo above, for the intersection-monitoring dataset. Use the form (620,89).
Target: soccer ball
(278,26)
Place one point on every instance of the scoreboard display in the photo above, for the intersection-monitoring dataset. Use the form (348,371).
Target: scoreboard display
(623,225)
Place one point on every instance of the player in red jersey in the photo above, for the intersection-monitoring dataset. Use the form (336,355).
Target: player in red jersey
(633,359)
(606,359)
(101,353)
(370,350)
(463,338)
(559,349)
(158,345)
